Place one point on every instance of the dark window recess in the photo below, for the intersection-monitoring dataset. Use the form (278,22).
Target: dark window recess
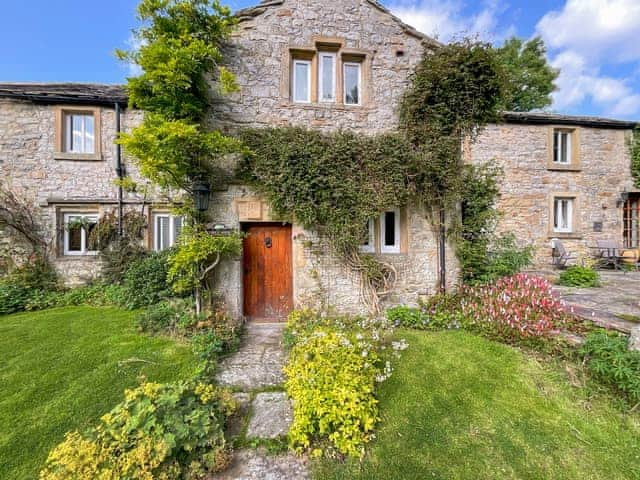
(75,239)
(390,229)
(597,227)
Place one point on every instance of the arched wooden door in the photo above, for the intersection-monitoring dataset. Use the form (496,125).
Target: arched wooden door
(268,272)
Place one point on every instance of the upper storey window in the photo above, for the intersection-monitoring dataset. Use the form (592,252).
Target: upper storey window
(79,132)
(352,83)
(564,149)
(302,81)
(327,91)
(327,73)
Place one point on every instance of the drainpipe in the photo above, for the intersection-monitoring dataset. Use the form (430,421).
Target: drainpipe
(119,172)
(443,246)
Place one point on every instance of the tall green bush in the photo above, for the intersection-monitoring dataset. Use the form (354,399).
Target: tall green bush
(145,281)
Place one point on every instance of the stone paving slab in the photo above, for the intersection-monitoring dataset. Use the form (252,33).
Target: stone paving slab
(259,361)
(272,416)
(259,465)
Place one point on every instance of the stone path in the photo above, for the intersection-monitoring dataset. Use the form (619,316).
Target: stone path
(615,305)
(255,372)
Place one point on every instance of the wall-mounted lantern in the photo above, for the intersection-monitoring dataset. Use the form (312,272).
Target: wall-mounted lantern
(201,194)
(624,197)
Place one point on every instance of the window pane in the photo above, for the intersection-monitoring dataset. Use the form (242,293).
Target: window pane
(75,236)
(89,142)
(328,76)
(564,205)
(564,154)
(351,84)
(91,226)
(301,87)
(163,233)
(556,147)
(77,133)
(390,229)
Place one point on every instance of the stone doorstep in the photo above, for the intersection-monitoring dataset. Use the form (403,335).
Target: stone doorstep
(259,465)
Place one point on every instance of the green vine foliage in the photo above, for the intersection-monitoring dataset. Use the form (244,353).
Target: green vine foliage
(333,183)
(634,150)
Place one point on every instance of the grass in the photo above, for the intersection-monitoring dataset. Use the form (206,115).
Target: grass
(461,407)
(62,369)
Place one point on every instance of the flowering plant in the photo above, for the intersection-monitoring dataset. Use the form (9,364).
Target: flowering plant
(516,307)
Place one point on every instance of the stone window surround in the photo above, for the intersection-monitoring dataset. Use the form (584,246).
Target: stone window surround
(375,235)
(576,163)
(343,55)
(576,232)
(60,153)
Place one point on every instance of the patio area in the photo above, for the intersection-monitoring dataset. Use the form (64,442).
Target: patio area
(615,305)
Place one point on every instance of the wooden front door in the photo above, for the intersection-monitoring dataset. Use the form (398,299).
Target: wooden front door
(268,272)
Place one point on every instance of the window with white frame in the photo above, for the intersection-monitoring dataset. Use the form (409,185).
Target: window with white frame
(562,146)
(302,81)
(79,133)
(352,75)
(327,75)
(563,215)
(368,245)
(77,233)
(166,230)
(390,232)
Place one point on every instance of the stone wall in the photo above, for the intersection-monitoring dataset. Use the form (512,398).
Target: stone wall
(28,165)
(528,185)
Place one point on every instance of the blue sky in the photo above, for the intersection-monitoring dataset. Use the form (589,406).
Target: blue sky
(594,42)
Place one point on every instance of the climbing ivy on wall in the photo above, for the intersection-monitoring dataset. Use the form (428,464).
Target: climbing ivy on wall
(634,150)
(332,183)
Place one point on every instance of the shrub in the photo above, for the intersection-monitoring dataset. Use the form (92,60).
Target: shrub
(145,281)
(579,276)
(158,432)
(166,316)
(607,356)
(334,364)
(513,308)
(117,257)
(98,295)
(439,312)
(25,284)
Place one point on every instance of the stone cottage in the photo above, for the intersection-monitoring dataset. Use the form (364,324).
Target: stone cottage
(324,65)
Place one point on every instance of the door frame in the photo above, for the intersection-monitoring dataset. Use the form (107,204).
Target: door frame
(244,227)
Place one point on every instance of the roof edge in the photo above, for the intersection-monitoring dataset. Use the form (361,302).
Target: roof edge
(75,93)
(542,118)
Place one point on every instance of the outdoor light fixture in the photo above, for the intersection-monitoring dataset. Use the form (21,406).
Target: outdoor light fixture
(201,194)
(624,197)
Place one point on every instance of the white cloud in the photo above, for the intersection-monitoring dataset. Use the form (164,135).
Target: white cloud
(446,19)
(585,36)
(595,28)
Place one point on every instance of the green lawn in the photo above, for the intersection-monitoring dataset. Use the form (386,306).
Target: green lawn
(62,369)
(461,407)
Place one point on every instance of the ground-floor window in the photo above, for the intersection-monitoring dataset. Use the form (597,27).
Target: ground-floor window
(632,222)
(563,215)
(166,230)
(77,233)
(389,234)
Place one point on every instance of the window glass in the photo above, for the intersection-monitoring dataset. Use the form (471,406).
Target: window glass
(75,237)
(563,213)
(327,77)
(80,133)
(390,229)
(77,234)
(301,80)
(390,232)
(368,237)
(562,147)
(177,227)
(167,229)
(352,83)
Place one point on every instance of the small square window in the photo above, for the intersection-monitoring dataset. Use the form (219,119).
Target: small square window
(562,147)
(77,233)
(390,232)
(352,83)
(302,81)
(563,215)
(79,133)
(166,230)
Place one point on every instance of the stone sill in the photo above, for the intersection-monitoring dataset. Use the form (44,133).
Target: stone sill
(78,157)
(565,236)
(77,258)
(326,107)
(561,168)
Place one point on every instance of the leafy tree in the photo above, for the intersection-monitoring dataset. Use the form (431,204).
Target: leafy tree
(530,78)
(180,54)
